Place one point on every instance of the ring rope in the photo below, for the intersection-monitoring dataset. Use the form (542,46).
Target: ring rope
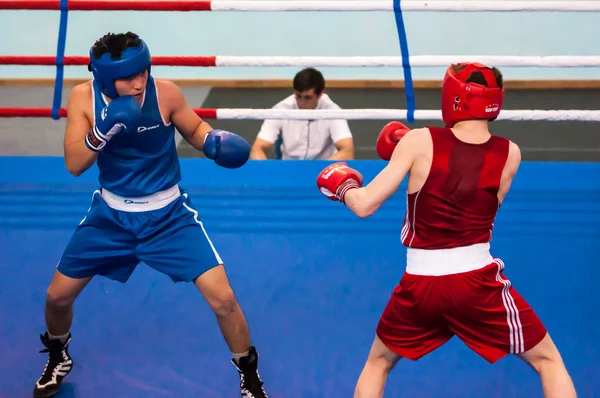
(346,114)
(261,5)
(562,61)
(349,114)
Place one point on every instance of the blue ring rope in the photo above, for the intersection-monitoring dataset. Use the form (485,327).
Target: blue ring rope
(60,54)
(408,84)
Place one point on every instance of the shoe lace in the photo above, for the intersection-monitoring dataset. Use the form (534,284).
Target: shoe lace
(252,382)
(55,358)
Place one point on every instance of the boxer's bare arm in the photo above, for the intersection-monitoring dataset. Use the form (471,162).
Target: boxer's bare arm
(366,200)
(173,103)
(510,170)
(78,157)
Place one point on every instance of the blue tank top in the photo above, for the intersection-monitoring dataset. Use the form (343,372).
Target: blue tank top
(142,163)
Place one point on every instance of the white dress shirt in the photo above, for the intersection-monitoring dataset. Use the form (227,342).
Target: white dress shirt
(306,139)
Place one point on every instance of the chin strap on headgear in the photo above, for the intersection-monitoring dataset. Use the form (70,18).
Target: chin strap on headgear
(106,70)
(467,101)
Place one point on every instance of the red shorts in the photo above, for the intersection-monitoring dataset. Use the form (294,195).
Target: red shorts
(480,307)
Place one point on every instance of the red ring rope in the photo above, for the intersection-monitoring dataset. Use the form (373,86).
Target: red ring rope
(81,60)
(304,5)
(205,113)
(113,5)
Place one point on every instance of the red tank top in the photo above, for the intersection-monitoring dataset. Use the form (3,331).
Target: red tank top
(458,203)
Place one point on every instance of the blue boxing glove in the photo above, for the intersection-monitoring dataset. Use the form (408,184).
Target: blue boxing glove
(226,149)
(122,113)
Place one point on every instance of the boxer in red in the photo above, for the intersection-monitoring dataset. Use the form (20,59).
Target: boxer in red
(458,177)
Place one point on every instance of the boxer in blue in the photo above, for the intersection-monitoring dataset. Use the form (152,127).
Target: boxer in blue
(139,213)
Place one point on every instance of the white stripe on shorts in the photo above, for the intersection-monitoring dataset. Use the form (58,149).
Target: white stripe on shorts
(97,191)
(219,261)
(517,344)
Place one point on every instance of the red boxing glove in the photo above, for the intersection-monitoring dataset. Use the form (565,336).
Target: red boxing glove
(388,139)
(337,179)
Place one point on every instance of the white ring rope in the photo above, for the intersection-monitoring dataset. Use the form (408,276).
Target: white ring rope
(406,5)
(398,114)
(562,61)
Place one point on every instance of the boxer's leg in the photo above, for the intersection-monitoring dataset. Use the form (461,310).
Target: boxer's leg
(60,296)
(494,320)
(545,359)
(409,327)
(99,246)
(373,377)
(183,251)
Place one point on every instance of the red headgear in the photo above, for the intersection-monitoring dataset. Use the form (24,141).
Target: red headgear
(467,101)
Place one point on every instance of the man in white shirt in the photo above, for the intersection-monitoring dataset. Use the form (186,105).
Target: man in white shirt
(306,139)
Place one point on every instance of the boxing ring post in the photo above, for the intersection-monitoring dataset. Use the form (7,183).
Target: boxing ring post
(311,277)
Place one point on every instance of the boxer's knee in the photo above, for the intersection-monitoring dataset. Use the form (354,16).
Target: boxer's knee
(63,291)
(383,362)
(543,356)
(223,303)
(216,290)
(382,358)
(59,301)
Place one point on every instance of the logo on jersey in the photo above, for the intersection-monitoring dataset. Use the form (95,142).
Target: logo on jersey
(141,129)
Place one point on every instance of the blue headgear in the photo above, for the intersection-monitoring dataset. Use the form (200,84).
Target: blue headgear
(106,70)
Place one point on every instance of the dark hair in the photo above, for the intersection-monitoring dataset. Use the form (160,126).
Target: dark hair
(477,77)
(309,78)
(115,44)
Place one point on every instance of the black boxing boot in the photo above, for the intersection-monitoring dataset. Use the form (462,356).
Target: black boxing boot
(250,382)
(58,366)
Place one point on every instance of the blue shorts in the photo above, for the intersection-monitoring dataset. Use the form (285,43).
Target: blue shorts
(110,242)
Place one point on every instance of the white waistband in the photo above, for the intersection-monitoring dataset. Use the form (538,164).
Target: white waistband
(448,261)
(155,201)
